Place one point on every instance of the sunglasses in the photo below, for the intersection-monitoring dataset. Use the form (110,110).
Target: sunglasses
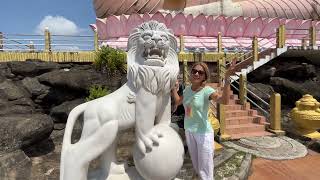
(194,72)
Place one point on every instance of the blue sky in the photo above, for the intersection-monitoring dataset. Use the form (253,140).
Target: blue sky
(61,16)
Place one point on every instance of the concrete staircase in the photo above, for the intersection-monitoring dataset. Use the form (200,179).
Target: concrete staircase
(240,120)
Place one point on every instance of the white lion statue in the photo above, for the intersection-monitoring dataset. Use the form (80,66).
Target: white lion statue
(143,102)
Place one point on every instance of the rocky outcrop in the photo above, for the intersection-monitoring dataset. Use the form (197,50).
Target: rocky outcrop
(32,68)
(75,80)
(60,113)
(36,98)
(12,91)
(290,77)
(24,130)
(14,165)
(34,87)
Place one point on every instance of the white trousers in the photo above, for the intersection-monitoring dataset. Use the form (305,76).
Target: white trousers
(201,150)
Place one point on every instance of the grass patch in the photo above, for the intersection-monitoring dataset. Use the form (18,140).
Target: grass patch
(230,167)
(97,91)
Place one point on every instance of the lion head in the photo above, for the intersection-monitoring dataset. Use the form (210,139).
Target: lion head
(153,45)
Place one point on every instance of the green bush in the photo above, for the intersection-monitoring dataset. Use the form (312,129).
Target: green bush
(96,92)
(111,60)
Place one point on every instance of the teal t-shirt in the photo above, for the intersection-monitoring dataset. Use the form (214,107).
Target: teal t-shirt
(196,105)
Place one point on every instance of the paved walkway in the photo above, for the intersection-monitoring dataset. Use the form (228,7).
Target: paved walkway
(306,168)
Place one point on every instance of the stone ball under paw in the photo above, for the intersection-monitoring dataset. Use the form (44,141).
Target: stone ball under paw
(164,161)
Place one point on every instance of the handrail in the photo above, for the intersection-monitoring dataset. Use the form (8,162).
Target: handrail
(55,42)
(258,97)
(266,112)
(60,35)
(245,61)
(252,100)
(19,43)
(8,34)
(6,39)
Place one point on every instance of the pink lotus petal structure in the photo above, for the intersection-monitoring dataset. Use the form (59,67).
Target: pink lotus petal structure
(201,31)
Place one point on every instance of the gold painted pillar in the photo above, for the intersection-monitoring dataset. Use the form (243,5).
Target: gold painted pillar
(220,76)
(275,114)
(281,36)
(184,61)
(221,115)
(47,40)
(243,88)
(221,69)
(312,34)
(219,42)
(255,48)
(96,43)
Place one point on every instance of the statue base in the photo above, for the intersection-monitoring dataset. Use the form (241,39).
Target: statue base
(312,134)
(131,174)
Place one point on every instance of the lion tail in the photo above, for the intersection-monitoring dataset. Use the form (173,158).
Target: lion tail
(72,118)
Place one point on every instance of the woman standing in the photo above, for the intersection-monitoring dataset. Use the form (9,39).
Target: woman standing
(198,131)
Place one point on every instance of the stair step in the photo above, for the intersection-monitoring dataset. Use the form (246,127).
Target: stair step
(234,96)
(244,128)
(236,113)
(252,134)
(239,120)
(253,112)
(259,119)
(232,107)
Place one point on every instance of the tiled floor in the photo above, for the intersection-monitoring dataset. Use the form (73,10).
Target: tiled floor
(306,168)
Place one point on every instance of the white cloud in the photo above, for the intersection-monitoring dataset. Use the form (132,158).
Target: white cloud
(58,25)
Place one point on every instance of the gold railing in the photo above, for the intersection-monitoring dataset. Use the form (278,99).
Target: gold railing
(45,47)
(48,47)
(48,56)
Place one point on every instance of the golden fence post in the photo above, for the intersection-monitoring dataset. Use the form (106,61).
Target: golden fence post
(184,60)
(96,43)
(312,34)
(275,114)
(1,41)
(242,88)
(185,72)
(219,42)
(255,48)
(221,69)
(219,62)
(181,43)
(280,36)
(222,118)
(47,40)
(283,28)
